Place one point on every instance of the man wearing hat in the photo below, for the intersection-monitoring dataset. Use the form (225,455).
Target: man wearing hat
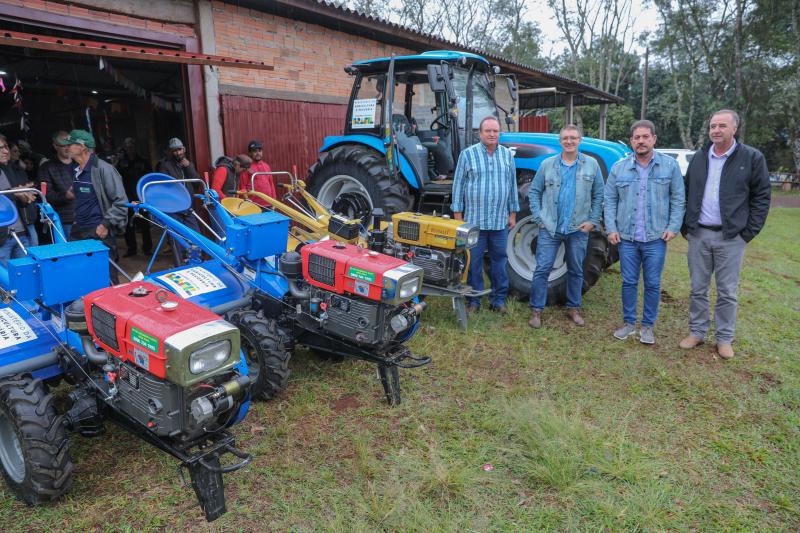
(177,165)
(99,195)
(263,184)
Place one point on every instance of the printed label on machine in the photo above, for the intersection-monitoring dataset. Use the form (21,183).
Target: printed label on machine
(13,329)
(363,113)
(360,273)
(144,339)
(141,358)
(192,281)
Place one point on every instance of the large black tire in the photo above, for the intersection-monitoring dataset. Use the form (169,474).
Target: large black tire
(266,349)
(34,449)
(347,175)
(521,251)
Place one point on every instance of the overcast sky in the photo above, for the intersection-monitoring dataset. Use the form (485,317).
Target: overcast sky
(645,14)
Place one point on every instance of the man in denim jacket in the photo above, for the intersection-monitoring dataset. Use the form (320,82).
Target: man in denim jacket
(644,206)
(566,198)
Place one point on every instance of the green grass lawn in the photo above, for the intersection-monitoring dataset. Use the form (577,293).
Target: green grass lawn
(582,432)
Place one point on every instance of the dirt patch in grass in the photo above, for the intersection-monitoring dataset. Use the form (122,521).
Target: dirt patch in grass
(345,403)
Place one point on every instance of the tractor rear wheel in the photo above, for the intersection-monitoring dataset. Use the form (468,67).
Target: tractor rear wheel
(265,347)
(34,448)
(521,250)
(352,180)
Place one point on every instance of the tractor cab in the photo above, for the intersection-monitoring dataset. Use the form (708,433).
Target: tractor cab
(427,106)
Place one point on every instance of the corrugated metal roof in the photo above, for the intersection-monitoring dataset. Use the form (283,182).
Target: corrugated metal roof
(335,16)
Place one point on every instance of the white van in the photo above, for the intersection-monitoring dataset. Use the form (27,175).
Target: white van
(682,155)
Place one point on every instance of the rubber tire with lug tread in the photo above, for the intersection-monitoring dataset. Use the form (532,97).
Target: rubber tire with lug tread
(267,345)
(596,260)
(28,411)
(369,168)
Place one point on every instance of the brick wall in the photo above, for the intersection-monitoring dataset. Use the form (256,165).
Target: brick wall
(102,15)
(307,58)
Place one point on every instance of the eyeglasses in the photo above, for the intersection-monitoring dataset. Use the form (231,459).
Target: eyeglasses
(4,147)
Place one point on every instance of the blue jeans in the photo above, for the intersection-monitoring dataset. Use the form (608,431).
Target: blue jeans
(495,241)
(547,246)
(648,258)
(33,236)
(11,250)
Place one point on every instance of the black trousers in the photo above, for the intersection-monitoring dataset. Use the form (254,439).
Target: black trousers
(82,233)
(143,227)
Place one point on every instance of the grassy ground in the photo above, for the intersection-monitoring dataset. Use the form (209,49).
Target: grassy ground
(508,429)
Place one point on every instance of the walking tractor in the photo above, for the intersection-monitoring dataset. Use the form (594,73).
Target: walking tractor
(330,296)
(408,119)
(167,370)
(438,244)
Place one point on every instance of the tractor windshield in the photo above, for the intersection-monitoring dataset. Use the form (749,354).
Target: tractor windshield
(482,101)
(367,107)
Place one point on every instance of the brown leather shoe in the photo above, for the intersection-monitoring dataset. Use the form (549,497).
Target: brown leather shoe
(687,343)
(574,314)
(725,351)
(536,319)
(472,309)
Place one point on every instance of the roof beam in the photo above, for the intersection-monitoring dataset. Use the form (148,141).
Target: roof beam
(126,51)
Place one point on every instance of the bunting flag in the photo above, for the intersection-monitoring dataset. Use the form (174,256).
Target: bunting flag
(141,92)
(16,95)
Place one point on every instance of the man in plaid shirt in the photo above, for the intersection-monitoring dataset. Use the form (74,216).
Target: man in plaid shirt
(485,194)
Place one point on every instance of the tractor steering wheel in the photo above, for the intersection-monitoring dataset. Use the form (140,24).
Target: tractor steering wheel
(438,124)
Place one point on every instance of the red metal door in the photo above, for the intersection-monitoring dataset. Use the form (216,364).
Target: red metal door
(291,131)
(539,124)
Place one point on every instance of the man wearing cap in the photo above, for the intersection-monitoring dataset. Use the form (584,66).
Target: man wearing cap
(263,184)
(177,165)
(58,174)
(100,211)
(226,172)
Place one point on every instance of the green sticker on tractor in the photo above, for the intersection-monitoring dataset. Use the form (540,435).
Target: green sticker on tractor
(144,339)
(360,273)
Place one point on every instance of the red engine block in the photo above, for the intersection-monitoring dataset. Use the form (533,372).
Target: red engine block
(131,322)
(345,268)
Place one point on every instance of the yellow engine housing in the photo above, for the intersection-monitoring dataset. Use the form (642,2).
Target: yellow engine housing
(429,230)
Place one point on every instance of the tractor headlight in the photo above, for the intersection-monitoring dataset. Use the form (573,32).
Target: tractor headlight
(401,284)
(198,352)
(467,235)
(209,357)
(409,288)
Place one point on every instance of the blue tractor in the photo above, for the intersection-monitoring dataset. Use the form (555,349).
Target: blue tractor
(407,121)
(167,370)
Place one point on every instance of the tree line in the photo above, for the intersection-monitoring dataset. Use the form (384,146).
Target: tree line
(701,55)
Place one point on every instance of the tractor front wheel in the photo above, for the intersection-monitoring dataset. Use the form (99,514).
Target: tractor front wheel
(352,180)
(34,449)
(521,250)
(266,349)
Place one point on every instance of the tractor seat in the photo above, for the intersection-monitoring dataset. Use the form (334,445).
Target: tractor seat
(168,198)
(8,212)
(401,124)
(444,164)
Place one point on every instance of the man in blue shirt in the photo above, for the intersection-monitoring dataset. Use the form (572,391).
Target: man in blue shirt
(485,194)
(644,206)
(566,198)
